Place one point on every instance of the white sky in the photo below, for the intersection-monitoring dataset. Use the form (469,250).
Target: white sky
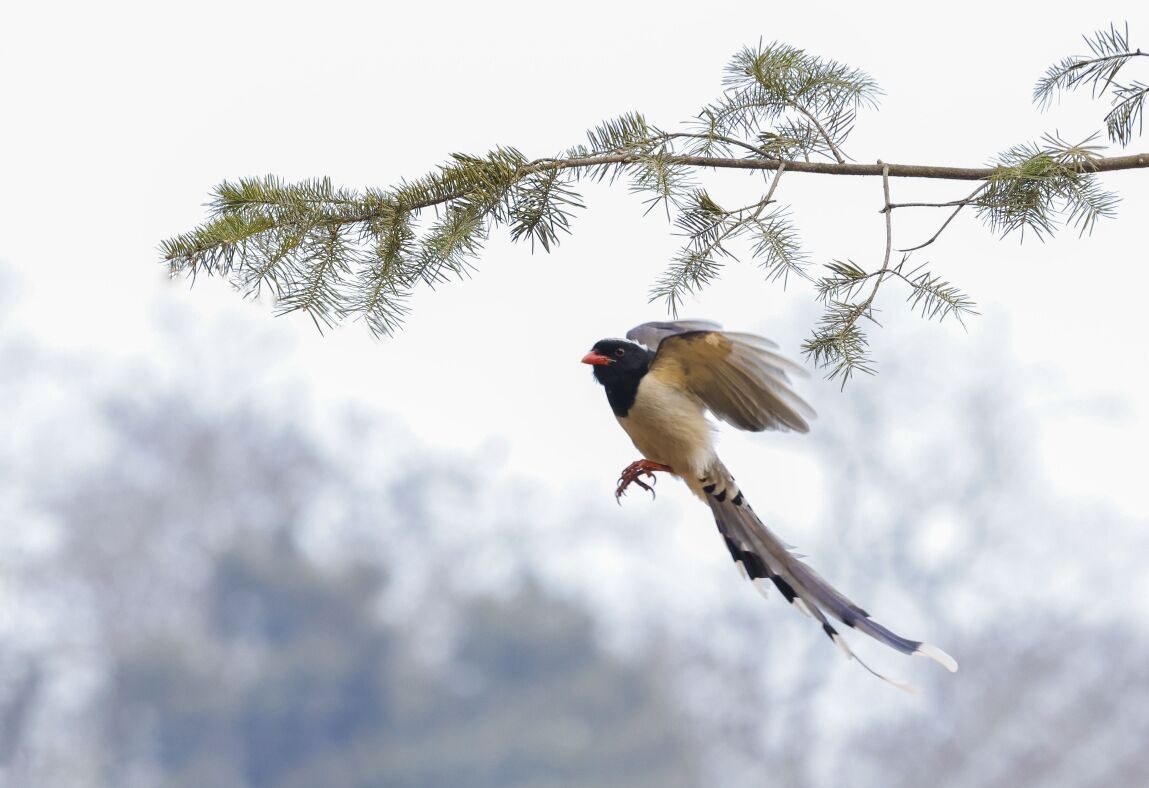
(118,118)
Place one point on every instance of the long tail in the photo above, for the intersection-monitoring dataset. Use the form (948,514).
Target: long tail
(762,556)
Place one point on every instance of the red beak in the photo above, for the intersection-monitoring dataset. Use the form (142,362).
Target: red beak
(594,358)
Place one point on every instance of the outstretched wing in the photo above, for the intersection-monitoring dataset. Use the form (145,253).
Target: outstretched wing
(652,334)
(738,376)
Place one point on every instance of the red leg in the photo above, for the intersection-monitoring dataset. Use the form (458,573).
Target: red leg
(636,469)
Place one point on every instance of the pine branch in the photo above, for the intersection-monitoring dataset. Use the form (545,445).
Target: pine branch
(838,344)
(1110,53)
(844,283)
(937,298)
(384,284)
(778,248)
(1038,187)
(658,175)
(1128,111)
(764,84)
(709,228)
(341,254)
(542,207)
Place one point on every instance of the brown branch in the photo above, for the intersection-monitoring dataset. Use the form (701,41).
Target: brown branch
(773,187)
(1110,164)
(1133,161)
(949,204)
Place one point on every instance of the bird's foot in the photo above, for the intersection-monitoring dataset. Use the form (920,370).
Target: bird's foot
(633,471)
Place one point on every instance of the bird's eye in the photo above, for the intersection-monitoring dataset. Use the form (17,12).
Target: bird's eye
(620,352)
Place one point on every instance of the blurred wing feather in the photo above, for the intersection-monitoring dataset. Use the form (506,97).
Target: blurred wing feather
(737,376)
(652,334)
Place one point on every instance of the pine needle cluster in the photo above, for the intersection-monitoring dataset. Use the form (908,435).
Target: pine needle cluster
(1109,53)
(1037,186)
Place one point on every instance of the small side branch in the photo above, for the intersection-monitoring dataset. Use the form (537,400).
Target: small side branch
(959,203)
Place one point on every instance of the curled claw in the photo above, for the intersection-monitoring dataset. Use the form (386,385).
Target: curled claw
(624,482)
(631,474)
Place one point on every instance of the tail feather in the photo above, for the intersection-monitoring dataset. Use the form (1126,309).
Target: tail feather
(762,556)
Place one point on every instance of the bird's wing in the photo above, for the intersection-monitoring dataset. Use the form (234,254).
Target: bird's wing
(652,334)
(738,376)
(763,556)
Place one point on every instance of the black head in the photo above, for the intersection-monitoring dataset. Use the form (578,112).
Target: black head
(619,365)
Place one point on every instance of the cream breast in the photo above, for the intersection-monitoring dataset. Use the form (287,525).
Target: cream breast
(668,425)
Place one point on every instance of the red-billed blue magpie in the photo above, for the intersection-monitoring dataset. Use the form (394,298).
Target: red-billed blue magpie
(660,382)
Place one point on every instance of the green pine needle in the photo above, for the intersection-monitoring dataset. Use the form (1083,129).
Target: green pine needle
(340,254)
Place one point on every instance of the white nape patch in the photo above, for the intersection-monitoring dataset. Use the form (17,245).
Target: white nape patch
(762,586)
(800,603)
(938,656)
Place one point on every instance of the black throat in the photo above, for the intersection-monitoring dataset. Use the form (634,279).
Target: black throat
(622,393)
(621,383)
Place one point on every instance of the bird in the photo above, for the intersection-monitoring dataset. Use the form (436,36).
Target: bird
(660,383)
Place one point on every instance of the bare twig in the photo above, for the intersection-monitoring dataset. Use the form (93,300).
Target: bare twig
(774,183)
(866,307)
(889,219)
(960,204)
(949,204)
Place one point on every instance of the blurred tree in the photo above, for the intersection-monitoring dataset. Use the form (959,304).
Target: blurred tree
(301,684)
(1056,703)
(174,612)
(19,693)
(1053,648)
(225,654)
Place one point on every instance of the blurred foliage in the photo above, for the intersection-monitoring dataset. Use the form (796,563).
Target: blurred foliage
(302,684)
(1046,710)
(214,599)
(229,655)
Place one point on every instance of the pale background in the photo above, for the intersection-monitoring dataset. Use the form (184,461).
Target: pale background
(986,487)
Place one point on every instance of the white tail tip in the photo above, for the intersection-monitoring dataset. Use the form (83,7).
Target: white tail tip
(938,656)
